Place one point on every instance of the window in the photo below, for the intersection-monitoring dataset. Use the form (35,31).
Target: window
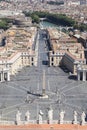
(5,76)
(32,59)
(52,59)
(52,64)
(67,49)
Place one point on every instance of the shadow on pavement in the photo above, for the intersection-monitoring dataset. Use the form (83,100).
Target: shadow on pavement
(45,62)
(72,77)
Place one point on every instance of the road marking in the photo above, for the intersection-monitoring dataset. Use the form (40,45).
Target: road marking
(74,106)
(23,88)
(67,86)
(13,106)
(80,85)
(15,88)
(48,85)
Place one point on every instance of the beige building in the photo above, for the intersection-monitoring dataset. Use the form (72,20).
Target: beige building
(19,50)
(71,62)
(64,50)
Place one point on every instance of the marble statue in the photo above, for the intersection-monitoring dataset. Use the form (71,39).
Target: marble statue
(62,113)
(27,116)
(40,117)
(83,116)
(75,117)
(18,118)
(50,115)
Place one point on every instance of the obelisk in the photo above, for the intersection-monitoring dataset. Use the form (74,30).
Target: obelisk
(44,95)
(43,89)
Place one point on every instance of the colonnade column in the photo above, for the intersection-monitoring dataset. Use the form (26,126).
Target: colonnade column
(81,74)
(78,75)
(8,76)
(2,77)
(84,76)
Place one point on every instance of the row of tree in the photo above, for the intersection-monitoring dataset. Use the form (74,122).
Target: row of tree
(5,23)
(81,27)
(59,19)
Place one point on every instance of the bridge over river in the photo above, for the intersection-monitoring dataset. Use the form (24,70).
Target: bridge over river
(45,24)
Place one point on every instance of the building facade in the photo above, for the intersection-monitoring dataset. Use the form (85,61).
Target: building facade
(19,51)
(83,2)
(64,50)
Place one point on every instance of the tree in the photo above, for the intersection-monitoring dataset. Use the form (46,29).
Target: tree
(35,18)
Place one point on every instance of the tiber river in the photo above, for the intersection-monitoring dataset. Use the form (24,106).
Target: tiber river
(45,24)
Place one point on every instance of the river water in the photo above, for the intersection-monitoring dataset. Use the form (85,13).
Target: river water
(46,24)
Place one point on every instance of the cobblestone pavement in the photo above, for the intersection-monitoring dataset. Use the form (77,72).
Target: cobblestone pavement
(23,91)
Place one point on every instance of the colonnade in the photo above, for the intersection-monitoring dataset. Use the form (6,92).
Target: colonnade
(4,75)
(82,75)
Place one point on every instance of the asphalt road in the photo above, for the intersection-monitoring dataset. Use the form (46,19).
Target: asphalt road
(23,91)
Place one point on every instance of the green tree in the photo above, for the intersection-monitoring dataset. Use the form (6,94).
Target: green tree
(35,18)
(58,19)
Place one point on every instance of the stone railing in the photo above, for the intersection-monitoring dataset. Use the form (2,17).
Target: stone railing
(4,122)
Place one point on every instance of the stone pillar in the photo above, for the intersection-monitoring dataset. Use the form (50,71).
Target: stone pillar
(2,76)
(84,76)
(78,75)
(8,76)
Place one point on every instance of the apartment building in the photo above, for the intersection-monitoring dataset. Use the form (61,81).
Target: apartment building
(19,50)
(64,50)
